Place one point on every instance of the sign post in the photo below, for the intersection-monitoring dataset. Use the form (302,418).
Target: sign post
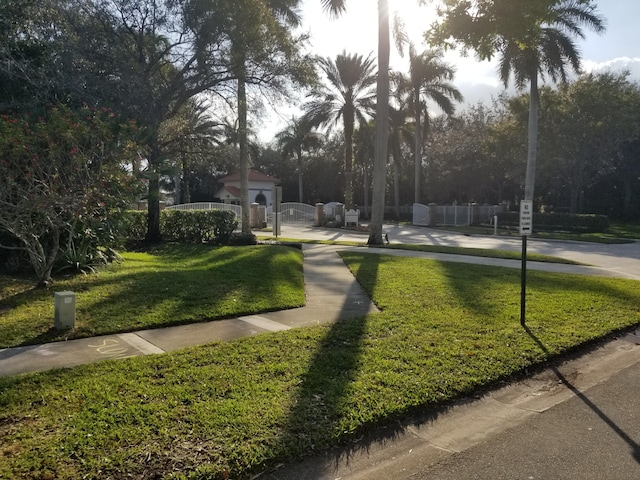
(526,227)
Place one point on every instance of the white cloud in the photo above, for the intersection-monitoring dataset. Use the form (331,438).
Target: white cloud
(619,64)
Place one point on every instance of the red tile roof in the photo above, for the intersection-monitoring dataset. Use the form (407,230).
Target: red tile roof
(254,176)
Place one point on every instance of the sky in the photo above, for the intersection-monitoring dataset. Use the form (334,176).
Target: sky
(616,49)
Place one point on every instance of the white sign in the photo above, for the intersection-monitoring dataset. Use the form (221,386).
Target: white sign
(526,217)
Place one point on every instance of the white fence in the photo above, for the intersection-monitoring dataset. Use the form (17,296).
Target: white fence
(293,213)
(290,212)
(454,215)
(237,209)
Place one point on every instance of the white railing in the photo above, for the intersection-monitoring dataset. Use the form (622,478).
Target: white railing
(237,209)
(290,212)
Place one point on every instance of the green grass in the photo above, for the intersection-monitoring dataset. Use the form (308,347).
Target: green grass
(231,409)
(169,285)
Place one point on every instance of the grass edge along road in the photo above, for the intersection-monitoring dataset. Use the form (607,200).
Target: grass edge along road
(227,410)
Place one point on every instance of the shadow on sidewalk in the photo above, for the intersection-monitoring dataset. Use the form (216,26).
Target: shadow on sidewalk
(635,448)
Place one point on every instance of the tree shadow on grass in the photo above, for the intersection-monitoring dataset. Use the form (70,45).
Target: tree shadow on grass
(190,284)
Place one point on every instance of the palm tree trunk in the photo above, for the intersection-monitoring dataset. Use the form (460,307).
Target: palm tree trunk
(365,182)
(244,155)
(349,120)
(382,126)
(396,185)
(417,149)
(299,152)
(532,151)
(153,199)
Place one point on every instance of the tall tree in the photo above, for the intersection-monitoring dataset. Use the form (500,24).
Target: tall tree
(532,38)
(262,52)
(337,7)
(382,126)
(293,140)
(429,79)
(145,58)
(348,98)
(400,134)
(189,138)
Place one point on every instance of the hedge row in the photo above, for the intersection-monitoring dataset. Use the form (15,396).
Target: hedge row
(559,221)
(184,226)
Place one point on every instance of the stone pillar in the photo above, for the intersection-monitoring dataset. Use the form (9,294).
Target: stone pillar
(474,216)
(433,208)
(262,216)
(319,217)
(255,218)
(339,211)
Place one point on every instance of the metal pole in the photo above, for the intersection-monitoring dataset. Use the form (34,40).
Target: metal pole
(523,281)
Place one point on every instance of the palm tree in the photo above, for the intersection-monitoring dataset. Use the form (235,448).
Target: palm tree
(429,78)
(547,49)
(399,134)
(295,138)
(189,137)
(348,97)
(364,139)
(262,52)
(336,7)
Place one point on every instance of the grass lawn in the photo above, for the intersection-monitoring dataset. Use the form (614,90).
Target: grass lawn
(228,410)
(169,285)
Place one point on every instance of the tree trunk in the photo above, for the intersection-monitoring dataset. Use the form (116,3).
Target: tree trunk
(417,149)
(382,127)
(365,188)
(532,150)
(153,199)
(299,152)
(349,121)
(185,190)
(244,155)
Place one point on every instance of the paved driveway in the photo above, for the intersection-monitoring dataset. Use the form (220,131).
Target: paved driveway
(624,259)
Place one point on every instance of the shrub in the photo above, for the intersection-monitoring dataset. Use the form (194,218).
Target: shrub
(197,226)
(243,239)
(132,225)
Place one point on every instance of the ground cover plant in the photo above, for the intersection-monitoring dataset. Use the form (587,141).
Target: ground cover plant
(170,284)
(230,410)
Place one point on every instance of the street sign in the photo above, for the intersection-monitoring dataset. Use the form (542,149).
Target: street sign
(526,217)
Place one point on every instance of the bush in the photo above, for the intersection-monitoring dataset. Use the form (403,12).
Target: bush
(559,221)
(132,225)
(190,226)
(197,226)
(243,239)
